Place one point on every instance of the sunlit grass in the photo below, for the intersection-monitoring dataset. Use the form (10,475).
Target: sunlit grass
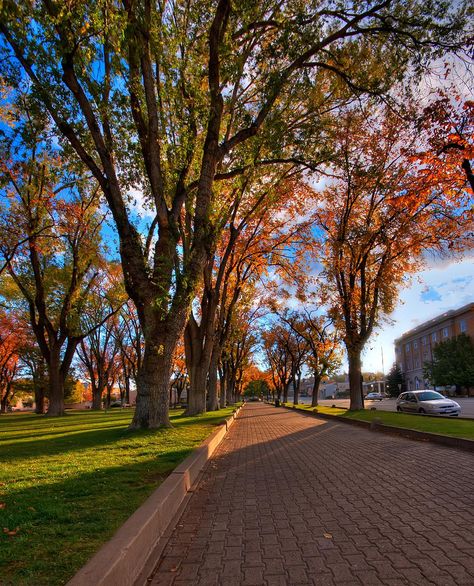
(443,425)
(67,484)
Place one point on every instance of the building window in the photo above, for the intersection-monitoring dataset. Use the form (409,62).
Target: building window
(445,332)
(462,326)
(407,347)
(415,345)
(434,337)
(417,363)
(424,340)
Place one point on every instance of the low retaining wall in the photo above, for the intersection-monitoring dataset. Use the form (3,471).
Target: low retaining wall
(120,561)
(446,440)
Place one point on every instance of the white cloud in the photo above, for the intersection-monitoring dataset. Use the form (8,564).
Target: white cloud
(433,291)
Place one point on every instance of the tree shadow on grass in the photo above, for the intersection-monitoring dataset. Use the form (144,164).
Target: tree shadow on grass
(63,522)
(94,433)
(68,442)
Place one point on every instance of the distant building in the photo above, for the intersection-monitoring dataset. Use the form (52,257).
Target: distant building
(327,389)
(415,347)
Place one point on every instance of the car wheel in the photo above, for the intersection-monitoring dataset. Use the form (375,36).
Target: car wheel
(421,410)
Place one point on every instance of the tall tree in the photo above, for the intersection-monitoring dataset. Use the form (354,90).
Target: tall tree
(58,266)
(128,334)
(380,213)
(453,363)
(275,344)
(323,356)
(170,98)
(268,231)
(99,351)
(10,344)
(395,381)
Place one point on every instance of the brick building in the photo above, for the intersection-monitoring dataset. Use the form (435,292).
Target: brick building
(416,346)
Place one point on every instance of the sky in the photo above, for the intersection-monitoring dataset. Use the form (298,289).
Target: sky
(442,286)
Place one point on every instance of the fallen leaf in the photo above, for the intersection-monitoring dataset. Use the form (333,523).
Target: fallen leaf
(2,505)
(11,532)
(328,535)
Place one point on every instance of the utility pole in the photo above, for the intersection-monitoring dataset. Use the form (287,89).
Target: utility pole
(383,370)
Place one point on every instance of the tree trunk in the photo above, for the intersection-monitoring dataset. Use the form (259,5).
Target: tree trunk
(285,392)
(56,386)
(229,388)
(3,404)
(179,392)
(152,406)
(316,383)
(296,388)
(355,378)
(39,398)
(197,391)
(108,399)
(97,391)
(212,398)
(222,390)
(198,348)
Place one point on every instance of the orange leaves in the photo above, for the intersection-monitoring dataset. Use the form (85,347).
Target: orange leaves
(11,532)
(449,127)
(387,205)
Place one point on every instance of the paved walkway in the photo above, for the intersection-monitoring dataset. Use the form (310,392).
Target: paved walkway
(288,499)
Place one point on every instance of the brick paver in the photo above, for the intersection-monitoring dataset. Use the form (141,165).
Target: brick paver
(288,499)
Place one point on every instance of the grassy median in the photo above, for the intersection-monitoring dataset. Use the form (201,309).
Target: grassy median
(451,426)
(67,484)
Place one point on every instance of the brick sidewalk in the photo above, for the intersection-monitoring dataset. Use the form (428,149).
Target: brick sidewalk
(288,499)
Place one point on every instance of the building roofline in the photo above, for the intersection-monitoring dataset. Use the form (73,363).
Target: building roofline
(435,320)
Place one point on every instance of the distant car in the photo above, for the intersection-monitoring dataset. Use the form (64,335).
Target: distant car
(374,397)
(429,402)
(253,399)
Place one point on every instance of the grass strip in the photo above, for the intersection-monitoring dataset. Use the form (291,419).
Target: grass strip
(450,426)
(67,484)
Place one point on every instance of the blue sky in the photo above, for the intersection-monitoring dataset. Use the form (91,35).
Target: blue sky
(442,286)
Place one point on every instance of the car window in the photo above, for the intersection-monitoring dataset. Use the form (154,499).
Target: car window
(430,396)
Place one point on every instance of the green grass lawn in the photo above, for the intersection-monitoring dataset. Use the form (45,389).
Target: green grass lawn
(442,425)
(67,484)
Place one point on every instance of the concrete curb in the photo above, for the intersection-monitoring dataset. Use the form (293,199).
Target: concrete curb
(120,561)
(445,440)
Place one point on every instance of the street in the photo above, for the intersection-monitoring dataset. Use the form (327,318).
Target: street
(467,404)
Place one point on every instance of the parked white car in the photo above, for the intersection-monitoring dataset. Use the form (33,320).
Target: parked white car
(374,397)
(429,402)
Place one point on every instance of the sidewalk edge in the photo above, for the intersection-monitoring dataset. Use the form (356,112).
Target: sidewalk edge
(120,560)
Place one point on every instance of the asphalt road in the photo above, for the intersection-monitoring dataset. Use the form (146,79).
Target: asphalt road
(467,405)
